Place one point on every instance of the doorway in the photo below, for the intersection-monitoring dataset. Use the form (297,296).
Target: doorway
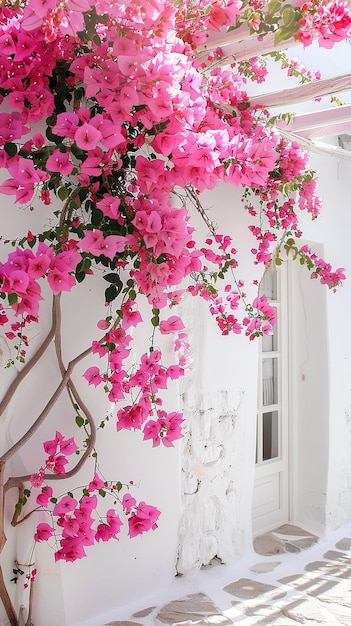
(270,507)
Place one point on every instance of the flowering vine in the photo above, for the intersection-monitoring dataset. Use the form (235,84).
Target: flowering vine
(138,121)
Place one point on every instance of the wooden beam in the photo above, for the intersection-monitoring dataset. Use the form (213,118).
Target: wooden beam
(332,130)
(310,91)
(332,121)
(318,147)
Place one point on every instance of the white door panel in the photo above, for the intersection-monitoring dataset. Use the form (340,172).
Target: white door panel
(271,488)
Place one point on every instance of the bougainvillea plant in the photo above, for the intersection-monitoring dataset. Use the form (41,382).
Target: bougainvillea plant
(116,116)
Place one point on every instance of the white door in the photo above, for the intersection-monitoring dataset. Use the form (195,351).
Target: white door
(270,506)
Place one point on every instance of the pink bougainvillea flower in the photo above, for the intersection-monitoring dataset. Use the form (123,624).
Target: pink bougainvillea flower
(59,162)
(43,532)
(68,446)
(94,242)
(93,376)
(60,281)
(37,479)
(44,496)
(71,549)
(51,446)
(172,325)
(96,483)
(128,502)
(87,136)
(65,505)
(143,519)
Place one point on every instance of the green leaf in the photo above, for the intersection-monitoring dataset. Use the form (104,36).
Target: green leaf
(10,149)
(102,493)
(284,33)
(52,137)
(12,298)
(288,15)
(63,193)
(155,321)
(111,293)
(111,278)
(79,421)
(80,276)
(119,486)
(273,7)
(84,265)
(18,508)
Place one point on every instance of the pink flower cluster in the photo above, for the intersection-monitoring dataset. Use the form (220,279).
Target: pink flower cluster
(57,449)
(20,274)
(133,123)
(261,321)
(329,21)
(73,522)
(322,270)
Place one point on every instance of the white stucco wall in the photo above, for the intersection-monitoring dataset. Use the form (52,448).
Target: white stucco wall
(204,485)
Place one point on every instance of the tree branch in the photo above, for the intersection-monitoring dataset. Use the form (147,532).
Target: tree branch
(33,361)
(2,508)
(72,390)
(11,451)
(6,600)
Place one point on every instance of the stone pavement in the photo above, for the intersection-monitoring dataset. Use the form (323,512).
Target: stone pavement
(293,578)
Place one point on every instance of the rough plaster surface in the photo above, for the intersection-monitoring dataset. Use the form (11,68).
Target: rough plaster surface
(212,491)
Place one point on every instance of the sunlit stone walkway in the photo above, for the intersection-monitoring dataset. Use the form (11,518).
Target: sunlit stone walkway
(295,579)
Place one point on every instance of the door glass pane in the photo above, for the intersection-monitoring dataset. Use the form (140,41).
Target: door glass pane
(268,286)
(270,342)
(270,435)
(270,381)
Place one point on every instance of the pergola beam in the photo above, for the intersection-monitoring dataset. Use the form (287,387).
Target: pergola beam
(318,147)
(332,121)
(310,91)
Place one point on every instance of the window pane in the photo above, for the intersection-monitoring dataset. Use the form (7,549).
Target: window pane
(270,381)
(268,285)
(270,342)
(270,435)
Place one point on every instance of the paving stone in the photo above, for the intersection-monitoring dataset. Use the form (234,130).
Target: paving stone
(124,623)
(333,555)
(304,543)
(144,612)
(296,531)
(286,538)
(287,580)
(301,583)
(267,614)
(344,544)
(248,589)
(291,547)
(324,567)
(193,609)
(266,566)
(319,587)
(267,545)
